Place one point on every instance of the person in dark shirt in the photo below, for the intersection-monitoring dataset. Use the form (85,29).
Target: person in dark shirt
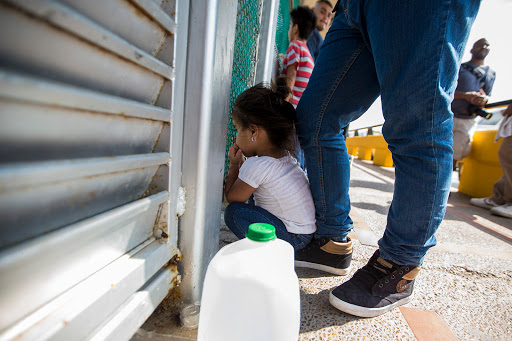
(474,87)
(323,11)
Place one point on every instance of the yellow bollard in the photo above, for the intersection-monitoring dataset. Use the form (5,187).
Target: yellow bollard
(368,147)
(364,153)
(352,145)
(382,155)
(383,158)
(481,169)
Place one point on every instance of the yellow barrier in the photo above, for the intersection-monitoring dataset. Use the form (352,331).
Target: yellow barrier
(366,146)
(352,145)
(481,169)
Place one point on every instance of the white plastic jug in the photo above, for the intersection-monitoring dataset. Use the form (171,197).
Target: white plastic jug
(251,291)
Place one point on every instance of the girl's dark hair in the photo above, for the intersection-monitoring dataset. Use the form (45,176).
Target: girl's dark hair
(267,108)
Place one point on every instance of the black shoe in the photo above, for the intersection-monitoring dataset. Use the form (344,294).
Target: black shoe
(376,288)
(326,255)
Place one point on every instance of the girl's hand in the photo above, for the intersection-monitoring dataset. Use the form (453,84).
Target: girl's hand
(235,189)
(235,155)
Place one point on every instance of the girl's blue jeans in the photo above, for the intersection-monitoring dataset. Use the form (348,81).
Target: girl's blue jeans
(409,53)
(238,216)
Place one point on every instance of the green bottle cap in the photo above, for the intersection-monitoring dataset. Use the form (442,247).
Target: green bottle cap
(261,232)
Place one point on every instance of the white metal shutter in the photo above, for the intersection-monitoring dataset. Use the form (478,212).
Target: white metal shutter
(89,177)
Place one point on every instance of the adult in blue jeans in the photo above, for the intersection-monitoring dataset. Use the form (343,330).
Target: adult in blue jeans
(409,53)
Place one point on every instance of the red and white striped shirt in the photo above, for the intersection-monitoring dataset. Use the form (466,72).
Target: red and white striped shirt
(298,53)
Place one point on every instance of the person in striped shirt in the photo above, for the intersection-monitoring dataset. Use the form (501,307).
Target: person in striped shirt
(298,63)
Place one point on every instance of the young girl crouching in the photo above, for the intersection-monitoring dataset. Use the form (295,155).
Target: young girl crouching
(264,121)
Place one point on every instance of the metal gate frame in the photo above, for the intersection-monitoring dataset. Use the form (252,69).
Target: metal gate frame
(208,84)
(89,292)
(100,271)
(208,81)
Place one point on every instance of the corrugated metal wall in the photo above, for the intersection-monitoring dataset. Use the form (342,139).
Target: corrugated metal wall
(89,177)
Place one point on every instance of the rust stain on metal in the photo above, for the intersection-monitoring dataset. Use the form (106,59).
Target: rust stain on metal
(174,294)
(173,299)
(175,259)
(162,226)
(139,12)
(165,319)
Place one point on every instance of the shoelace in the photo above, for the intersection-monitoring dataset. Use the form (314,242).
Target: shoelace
(374,271)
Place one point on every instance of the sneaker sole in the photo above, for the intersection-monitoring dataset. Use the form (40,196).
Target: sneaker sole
(329,269)
(364,311)
(487,207)
(501,214)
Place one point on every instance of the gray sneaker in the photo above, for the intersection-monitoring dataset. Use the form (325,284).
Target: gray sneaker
(483,202)
(503,210)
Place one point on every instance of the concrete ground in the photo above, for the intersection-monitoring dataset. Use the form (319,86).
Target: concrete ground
(464,290)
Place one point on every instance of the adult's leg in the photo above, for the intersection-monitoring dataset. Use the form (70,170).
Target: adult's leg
(505,157)
(498,191)
(417,64)
(417,46)
(238,216)
(341,88)
(463,131)
(502,191)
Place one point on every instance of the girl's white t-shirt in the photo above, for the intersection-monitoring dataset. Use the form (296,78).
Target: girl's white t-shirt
(282,189)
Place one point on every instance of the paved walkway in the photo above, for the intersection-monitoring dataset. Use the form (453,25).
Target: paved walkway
(464,290)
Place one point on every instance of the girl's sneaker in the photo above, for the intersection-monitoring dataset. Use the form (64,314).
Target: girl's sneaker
(326,255)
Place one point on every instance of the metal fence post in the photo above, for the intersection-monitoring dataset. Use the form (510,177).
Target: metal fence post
(266,41)
(208,80)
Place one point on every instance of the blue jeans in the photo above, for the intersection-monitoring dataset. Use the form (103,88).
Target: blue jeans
(409,53)
(238,216)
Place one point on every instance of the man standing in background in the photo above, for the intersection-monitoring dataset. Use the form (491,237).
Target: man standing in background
(323,11)
(474,87)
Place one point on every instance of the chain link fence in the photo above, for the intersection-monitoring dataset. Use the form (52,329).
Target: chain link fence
(248,21)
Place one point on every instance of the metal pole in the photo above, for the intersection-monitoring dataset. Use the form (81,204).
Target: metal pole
(266,41)
(208,82)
